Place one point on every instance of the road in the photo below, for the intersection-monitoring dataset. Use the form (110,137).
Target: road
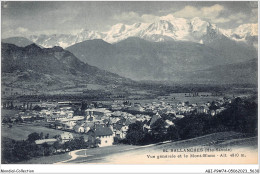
(93,153)
(139,154)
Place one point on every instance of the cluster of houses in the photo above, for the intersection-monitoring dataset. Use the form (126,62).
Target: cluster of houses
(179,109)
(106,124)
(100,122)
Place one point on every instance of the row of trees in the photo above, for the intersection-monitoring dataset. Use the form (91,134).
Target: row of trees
(137,135)
(240,116)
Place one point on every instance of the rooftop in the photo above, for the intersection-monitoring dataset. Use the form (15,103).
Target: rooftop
(103,131)
(48,141)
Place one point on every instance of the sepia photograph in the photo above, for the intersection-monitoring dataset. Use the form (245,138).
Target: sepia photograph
(130,83)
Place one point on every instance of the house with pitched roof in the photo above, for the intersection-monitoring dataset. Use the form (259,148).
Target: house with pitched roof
(79,129)
(65,136)
(88,125)
(104,134)
(154,119)
(48,141)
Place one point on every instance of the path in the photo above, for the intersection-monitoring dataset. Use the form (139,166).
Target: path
(73,156)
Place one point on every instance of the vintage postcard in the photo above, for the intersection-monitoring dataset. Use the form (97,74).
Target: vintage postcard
(129,82)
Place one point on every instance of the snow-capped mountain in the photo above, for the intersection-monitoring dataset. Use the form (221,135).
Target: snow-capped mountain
(244,33)
(65,40)
(166,28)
(163,29)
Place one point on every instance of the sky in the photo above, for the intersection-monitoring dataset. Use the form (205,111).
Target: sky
(46,17)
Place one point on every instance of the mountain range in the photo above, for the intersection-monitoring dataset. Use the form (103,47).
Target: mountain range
(236,73)
(50,68)
(166,28)
(18,41)
(139,59)
(170,49)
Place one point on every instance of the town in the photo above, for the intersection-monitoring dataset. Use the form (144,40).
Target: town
(105,121)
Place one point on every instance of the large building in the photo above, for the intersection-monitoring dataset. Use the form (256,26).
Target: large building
(105,135)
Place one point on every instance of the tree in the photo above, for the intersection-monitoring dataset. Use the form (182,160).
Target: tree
(213,106)
(158,130)
(41,135)
(47,136)
(12,105)
(37,108)
(117,140)
(19,119)
(66,145)
(33,136)
(135,137)
(192,126)
(135,133)
(80,143)
(97,142)
(21,150)
(172,133)
(45,149)
(137,126)
(6,120)
(84,105)
(56,145)
(169,116)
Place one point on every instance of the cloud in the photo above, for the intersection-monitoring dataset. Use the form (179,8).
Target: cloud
(188,12)
(221,20)
(133,17)
(149,18)
(239,21)
(254,15)
(205,12)
(216,14)
(237,16)
(25,32)
(212,13)
(22,30)
(126,17)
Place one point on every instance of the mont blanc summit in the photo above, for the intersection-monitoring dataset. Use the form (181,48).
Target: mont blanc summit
(165,28)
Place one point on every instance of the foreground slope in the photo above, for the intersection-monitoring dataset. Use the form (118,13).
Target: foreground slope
(127,154)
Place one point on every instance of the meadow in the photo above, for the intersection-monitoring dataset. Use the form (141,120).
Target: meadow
(21,131)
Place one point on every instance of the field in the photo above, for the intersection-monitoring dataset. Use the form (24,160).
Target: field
(8,113)
(175,98)
(21,132)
